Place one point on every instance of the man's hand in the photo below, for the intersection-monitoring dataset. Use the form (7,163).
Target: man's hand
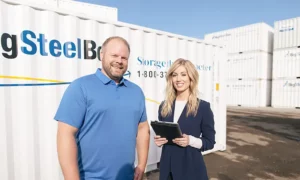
(139,173)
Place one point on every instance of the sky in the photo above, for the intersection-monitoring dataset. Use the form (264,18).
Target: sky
(195,18)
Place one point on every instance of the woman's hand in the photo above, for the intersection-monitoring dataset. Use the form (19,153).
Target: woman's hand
(160,141)
(183,142)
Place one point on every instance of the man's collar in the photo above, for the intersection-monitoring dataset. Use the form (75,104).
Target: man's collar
(106,80)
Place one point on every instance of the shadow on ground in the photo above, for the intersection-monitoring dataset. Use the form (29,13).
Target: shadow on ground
(261,144)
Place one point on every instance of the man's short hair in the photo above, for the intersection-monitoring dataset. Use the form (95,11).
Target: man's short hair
(113,38)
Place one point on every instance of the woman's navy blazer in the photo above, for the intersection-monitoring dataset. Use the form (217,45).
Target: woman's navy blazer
(186,163)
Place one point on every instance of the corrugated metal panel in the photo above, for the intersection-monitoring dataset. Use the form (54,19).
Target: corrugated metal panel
(92,10)
(287,33)
(85,9)
(286,93)
(254,37)
(252,65)
(48,3)
(286,63)
(32,85)
(253,93)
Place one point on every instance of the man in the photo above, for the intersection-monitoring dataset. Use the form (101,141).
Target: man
(101,120)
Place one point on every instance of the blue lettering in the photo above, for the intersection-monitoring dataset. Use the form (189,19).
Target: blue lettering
(152,63)
(139,60)
(146,62)
(170,63)
(28,42)
(203,67)
(32,41)
(42,40)
(158,64)
(79,48)
(67,49)
(55,45)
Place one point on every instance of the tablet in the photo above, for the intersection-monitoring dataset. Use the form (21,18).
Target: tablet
(167,130)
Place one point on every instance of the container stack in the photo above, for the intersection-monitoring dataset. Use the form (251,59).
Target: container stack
(249,64)
(286,65)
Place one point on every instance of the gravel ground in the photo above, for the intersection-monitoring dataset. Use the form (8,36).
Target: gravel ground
(262,144)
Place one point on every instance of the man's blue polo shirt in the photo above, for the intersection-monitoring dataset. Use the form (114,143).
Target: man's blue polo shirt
(107,116)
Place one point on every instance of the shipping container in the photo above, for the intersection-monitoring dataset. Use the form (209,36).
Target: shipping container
(286,63)
(85,9)
(286,93)
(45,48)
(250,93)
(249,65)
(48,3)
(287,33)
(92,10)
(254,37)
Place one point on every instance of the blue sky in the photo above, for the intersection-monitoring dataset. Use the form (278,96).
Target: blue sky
(195,18)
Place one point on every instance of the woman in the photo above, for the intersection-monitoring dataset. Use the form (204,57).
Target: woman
(183,160)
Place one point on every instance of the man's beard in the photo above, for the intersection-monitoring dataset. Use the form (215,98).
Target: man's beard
(109,70)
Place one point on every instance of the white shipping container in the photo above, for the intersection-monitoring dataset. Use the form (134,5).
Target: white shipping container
(48,3)
(92,10)
(287,33)
(251,65)
(47,48)
(81,8)
(286,93)
(286,63)
(254,37)
(249,93)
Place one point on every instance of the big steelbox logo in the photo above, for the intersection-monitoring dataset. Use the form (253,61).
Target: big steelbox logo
(32,43)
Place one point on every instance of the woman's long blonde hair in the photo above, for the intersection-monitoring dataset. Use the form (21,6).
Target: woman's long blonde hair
(170,92)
